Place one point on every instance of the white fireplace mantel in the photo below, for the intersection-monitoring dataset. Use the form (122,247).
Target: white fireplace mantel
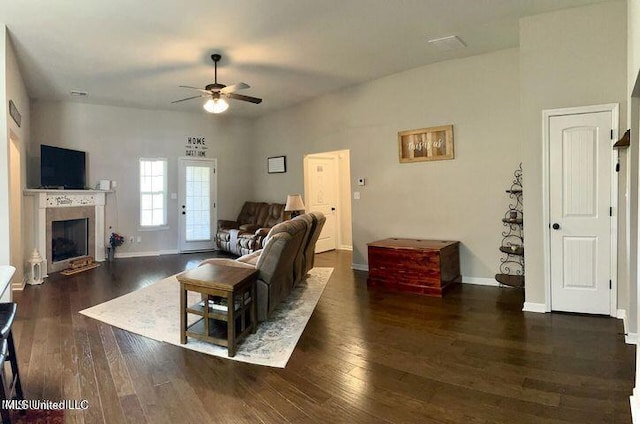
(48,199)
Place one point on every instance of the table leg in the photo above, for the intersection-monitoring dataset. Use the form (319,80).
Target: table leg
(205,317)
(254,309)
(183,314)
(231,325)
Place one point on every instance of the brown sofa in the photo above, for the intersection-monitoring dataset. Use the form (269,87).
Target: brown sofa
(245,234)
(282,263)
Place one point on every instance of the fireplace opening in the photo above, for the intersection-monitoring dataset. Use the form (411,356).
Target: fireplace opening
(69,239)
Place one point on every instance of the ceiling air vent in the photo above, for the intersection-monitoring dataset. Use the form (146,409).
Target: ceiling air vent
(447,43)
(78,93)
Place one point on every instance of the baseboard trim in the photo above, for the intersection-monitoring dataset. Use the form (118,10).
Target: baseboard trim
(480,281)
(539,308)
(629,338)
(17,286)
(345,247)
(360,267)
(622,314)
(142,254)
(634,403)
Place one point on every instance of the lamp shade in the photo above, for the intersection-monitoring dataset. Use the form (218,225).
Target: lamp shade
(294,203)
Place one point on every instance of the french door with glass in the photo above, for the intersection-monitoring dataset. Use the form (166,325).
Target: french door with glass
(197,204)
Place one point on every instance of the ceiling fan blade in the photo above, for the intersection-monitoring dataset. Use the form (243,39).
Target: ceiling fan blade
(188,98)
(244,98)
(235,87)
(195,88)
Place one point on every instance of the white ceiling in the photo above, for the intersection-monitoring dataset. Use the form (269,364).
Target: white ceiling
(136,53)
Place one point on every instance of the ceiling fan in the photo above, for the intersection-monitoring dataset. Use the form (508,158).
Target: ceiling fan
(217,93)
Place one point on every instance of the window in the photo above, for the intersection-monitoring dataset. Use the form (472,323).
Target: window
(153,192)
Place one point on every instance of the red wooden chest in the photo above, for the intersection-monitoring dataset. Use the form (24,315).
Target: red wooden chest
(427,267)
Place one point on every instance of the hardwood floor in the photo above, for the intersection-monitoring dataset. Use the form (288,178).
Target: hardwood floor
(366,356)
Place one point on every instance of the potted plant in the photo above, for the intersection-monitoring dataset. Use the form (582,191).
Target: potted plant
(114,241)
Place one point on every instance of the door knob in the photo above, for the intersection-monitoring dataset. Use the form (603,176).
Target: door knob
(556,226)
(184,213)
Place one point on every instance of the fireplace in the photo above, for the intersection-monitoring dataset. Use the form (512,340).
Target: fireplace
(69,239)
(68,224)
(72,216)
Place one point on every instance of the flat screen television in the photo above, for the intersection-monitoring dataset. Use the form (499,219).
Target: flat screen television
(62,168)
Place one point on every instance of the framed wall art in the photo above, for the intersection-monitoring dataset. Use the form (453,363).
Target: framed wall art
(277,164)
(435,143)
(13,111)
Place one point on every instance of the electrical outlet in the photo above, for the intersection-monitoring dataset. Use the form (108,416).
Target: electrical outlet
(139,239)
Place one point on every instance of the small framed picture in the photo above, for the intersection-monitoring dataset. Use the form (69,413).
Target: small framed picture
(277,164)
(13,111)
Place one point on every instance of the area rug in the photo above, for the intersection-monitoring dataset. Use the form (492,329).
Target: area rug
(154,312)
(38,416)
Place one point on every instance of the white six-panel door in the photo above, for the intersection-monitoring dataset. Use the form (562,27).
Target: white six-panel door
(579,212)
(322,196)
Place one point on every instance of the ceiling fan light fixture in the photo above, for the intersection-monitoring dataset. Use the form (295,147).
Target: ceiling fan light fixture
(215,92)
(218,105)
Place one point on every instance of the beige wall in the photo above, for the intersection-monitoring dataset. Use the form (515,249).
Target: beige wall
(633,96)
(344,164)
(572,57)
(633,47)
(12,88)
(462,199)
(5,253)
(115,138)
(19,139)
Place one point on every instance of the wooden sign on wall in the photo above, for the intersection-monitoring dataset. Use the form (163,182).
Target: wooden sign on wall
(196,147)
(435,143)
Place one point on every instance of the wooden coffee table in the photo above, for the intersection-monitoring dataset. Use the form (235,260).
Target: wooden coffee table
(230,294)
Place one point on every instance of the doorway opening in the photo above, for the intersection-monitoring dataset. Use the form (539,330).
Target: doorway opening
(327,189)
(15,210)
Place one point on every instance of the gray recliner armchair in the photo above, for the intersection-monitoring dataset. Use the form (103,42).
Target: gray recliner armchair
(304,261)
(275,263)
(317,223)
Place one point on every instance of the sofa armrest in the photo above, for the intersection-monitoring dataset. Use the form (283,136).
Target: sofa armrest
(223,223)
(226,262)
(262,232)
(251,258)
